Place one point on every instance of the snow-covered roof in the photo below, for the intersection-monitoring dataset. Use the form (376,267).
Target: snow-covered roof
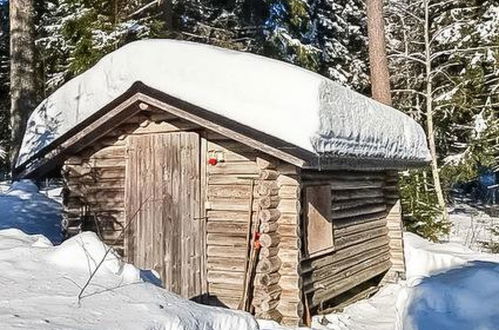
(273,97)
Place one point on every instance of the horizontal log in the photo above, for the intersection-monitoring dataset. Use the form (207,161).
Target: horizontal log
(289,219)
(227,145)
(228,216)
(288,180)
(229,205)
(289,192)
(356,228)
(289,206)
(357,238)
(232,179)
(289,243)
(357,220)
(239,168)
(225,277)
(339,195)
(346,284)
(290,282)
(326,284)
(226,240)
(291,296)
(324,261)
(370,209)
(230,191)
(290,308)
(321,274)
(220,263)
(227,228)
(286,230)
(356,203)
(343,175)
(223,251)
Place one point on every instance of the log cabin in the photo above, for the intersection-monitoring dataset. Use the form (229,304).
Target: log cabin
(242,181)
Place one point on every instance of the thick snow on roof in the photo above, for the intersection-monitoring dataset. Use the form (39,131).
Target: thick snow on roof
(279,99)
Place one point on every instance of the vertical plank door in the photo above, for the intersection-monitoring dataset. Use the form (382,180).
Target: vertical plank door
(162,201)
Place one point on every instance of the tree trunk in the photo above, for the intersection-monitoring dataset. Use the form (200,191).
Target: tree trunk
(380,77)
(429,116)
(167,9)
(22,70)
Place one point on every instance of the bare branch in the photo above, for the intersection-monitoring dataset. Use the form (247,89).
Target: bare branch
(408,90)
(460,50)
(109,248)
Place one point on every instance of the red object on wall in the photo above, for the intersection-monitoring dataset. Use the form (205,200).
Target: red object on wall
(213,161)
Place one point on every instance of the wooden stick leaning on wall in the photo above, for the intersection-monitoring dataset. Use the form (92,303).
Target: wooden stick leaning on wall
(250,262)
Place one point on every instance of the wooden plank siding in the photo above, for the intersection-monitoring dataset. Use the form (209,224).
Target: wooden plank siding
(163,196)
(94,178)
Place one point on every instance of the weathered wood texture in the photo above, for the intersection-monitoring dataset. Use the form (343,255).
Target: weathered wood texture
(267,291)
(395,228)
(95,177)
(361,241)
(162,203)
(364,213)
(289,229)
(227,208)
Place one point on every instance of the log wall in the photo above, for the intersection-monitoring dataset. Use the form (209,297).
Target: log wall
(395,228)
(246,184)
(291,302)
(361,241)
(227,216)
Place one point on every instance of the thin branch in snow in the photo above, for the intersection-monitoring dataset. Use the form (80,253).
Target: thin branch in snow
(109,248)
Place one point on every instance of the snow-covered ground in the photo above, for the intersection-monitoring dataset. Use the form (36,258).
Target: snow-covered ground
(40,282)
(473,227)
(448,286)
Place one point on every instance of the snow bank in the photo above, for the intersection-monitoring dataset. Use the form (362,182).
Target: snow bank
(40,282)
(24,208)
(448,287)
(424,258)
(287,102)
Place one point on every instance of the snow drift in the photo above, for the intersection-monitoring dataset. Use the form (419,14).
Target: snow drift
(279,99)
(448,287)
(40,282)
(24,208)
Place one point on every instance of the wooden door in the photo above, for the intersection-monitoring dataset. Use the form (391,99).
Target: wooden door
(162,199)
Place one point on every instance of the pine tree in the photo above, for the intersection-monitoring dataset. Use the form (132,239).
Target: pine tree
(378,61)
(23,89)
(339,31)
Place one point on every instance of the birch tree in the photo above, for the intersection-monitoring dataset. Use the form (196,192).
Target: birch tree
(22,70)
(434,46)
